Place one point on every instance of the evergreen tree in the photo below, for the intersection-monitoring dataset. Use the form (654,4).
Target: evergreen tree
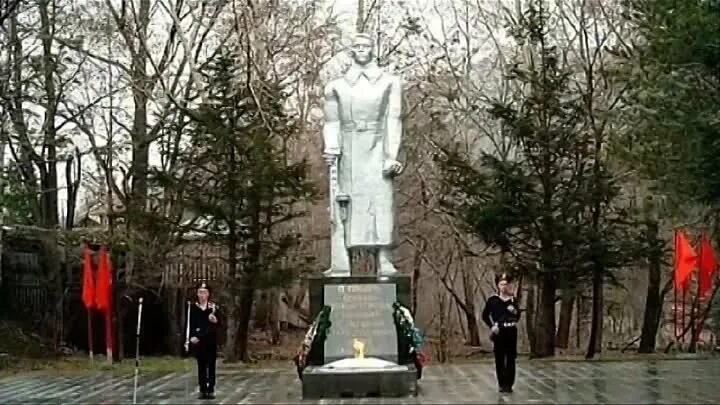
(672,73)
(549,207)
(673,76)
(16,200)
(239,179)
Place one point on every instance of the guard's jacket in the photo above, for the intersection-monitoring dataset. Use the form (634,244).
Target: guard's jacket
(501,312)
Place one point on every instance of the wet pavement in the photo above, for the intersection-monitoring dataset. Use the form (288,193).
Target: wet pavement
(658,382)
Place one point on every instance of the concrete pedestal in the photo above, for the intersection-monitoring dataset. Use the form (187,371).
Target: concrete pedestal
(352,300)
(323,383)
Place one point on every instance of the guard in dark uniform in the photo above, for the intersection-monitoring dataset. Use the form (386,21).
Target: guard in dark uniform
(501,314)
(203,340)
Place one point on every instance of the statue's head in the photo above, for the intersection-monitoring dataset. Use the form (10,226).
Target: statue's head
(362,49)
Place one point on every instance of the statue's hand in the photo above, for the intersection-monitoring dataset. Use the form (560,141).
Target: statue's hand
(392,168)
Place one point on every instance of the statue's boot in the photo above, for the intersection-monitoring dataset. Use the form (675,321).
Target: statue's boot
(385,266)
(339,260)
(336,273)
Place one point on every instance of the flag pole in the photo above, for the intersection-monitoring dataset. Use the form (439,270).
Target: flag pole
(137,349)
(682,316)
(108,336)
(105,287)
(90,333)
(695,308)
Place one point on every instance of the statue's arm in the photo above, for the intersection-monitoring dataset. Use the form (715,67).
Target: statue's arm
(331,128)
(394,119)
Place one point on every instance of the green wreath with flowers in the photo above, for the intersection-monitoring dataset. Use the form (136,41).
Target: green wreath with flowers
(314,339)
(410,338)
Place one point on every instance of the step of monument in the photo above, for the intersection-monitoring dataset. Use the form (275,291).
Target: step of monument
(322,383)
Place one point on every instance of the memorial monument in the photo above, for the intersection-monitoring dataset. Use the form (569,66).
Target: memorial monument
(363,341)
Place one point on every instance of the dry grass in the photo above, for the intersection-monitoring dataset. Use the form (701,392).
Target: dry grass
(263,350)
(81,365)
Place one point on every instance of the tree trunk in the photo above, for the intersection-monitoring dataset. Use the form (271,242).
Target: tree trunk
(441,350)
(231,331)
(118,319)
(417,259)
(701,317)
(595,341)
(173,339)
(579,311)
(562,339)
(274,315)
(694,317)
(417,263)
(49,195)
(473,338)
(119,312)
(231,319)
(140,143)
(246,297)
(17,115)
(545,321)
(653,300)
(360,21)
(54,282)
(473,330)
(530,317)
(60,303)
(73,185)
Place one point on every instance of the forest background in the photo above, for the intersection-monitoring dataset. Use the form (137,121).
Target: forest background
(562,140)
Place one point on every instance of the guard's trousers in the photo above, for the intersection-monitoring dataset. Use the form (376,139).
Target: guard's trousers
(505,348)
(206,356)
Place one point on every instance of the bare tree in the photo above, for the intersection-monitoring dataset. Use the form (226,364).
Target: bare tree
(39,73)
(588,30)
(7,7)
(456,69)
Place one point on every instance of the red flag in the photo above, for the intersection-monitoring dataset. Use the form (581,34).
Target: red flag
(88,289)
(104,282)
(685,261)
(708,266)
(104,298)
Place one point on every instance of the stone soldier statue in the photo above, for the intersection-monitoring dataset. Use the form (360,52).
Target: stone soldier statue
(362,134)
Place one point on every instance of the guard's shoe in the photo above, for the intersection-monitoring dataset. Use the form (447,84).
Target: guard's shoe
(211,394)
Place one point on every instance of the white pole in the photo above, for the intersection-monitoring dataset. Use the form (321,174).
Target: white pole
(137,349)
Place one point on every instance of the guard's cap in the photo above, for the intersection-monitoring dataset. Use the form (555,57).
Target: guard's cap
(362,36)
(203,286)
(503,277)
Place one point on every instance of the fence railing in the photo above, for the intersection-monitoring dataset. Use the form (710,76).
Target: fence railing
(25,299)
(188,266)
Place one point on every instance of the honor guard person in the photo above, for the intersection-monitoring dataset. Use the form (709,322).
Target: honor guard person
(203,340)
(501,315)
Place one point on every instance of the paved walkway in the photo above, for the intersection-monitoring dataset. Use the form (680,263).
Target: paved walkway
(662,382)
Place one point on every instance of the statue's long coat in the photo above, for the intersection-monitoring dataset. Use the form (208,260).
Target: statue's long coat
(358,107)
